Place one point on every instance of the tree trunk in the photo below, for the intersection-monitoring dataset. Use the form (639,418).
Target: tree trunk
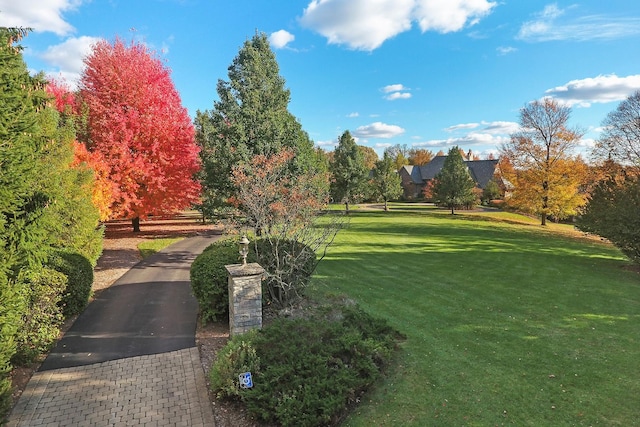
(452,208)
(346,207)
(545,203)
(386,206)
(135,222)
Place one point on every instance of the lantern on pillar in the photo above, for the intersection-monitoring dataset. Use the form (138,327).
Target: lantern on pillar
(244,249)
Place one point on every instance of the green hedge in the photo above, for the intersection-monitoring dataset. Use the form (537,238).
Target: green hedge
(238,356)
(42,317)
(11,307)
(209,278)
(79,272)
(306,372)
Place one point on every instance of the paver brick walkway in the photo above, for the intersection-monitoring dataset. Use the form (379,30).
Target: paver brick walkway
(166,389)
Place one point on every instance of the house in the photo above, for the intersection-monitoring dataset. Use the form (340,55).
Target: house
(415,178)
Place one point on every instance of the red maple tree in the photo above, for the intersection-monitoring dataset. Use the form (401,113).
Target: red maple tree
(143,134)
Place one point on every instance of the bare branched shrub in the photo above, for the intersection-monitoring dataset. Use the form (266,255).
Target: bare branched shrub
(285,209)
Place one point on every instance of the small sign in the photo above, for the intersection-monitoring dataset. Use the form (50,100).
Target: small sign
(245,380)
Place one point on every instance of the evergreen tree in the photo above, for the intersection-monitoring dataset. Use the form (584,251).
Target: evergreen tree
(387,182)
(44,204)
(612,212)
(250,118)
(23,241)
(73,219)
(453,185)
(348,170)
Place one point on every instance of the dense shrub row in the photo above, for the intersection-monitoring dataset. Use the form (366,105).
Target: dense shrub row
(46,206)
(306,371)
(42,314)
(79,273)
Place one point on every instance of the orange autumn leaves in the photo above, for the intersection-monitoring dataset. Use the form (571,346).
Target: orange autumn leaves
(273,196)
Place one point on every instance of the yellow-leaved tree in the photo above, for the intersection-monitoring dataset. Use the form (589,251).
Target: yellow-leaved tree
(546,176)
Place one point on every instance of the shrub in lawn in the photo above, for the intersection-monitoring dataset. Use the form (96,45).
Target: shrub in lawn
(289,265)
(310,370)
(209,278)
(42,315)
(79,272)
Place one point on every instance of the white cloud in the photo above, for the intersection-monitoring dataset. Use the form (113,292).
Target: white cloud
(600,89)
(548,26)
(393,88)
(281,39)
(397,95)
(327,144)
(396,91)
(67,58)
(378,130)
(500,127)
(587,143)
(353,115)
(486,134)
(493,128)
(474,138)
(446,16)
(505,50)
(463,126)
(41,15)
(367,24)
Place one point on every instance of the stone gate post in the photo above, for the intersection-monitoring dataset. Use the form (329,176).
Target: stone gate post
(245,297)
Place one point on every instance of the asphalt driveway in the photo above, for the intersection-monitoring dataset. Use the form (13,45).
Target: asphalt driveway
(149,310)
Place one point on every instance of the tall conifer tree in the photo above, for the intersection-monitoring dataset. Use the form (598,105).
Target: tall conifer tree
(453,185)
(251,117)
(348,170)
(23,240)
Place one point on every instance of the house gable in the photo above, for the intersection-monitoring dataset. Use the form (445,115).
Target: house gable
(414,178)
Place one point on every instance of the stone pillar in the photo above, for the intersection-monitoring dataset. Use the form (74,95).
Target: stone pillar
(245,297)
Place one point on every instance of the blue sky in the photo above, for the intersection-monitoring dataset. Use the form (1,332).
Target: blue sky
(425,73)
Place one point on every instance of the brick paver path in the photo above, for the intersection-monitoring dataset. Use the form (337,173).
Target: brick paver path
(165,389)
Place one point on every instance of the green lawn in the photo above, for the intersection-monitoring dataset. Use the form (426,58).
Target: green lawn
(150,247)
(507,323)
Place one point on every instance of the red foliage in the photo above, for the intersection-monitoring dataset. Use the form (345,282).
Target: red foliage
(65,100)
(427,191)
(271,195)
(143,134)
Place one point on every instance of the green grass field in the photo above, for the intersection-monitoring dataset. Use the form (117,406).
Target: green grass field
(152,246)
(506,322)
